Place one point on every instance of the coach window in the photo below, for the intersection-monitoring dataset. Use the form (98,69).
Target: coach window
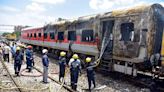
(60,35)
(39,35)
(72,35)
(34,35)
(87,35)
(127,32)
(31,35)
(28,35)
(45,35)
(143,37)
(52,35)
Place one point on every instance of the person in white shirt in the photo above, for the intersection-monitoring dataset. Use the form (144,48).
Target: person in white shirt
(6,51)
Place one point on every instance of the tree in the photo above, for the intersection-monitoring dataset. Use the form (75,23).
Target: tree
(18,34)
(5,33)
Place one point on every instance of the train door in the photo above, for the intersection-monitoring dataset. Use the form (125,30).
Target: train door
(107,39)
(106,46)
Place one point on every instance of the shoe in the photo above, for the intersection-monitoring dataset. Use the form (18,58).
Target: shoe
(45,82)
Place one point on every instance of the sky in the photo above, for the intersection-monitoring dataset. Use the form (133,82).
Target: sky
(41,12)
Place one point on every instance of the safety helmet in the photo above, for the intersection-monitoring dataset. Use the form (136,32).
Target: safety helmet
(44,51)
(75,56)
(88,59)
(62,53)
(29,47)
(18,48)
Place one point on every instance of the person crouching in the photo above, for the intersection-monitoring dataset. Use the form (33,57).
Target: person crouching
(18,57)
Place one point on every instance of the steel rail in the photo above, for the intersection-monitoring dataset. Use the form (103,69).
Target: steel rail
(16,84)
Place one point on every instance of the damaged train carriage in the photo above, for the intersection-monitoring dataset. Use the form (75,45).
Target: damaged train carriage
(135,37)
(77,36)
(125,40)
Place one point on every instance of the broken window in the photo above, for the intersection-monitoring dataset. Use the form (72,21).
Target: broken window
(72,35)
(45,35)
(39,35)
(127,32)
(52,35)
(143,37)
(60,35)
(34,35)
(136,37)
(87,35)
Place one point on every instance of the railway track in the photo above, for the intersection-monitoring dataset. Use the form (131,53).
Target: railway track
(62,85)
(140,81)
(18,88)
(11,77)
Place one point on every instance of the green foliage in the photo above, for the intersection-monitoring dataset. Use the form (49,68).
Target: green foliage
(5,33)
(18,34)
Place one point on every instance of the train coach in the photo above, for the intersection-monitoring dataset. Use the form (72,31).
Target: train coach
(129,41)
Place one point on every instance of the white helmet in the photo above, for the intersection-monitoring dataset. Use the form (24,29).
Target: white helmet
(44,51)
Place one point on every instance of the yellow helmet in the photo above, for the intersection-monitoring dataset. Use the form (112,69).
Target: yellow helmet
(62,53)
(18,48)
(75,56)
(88,59)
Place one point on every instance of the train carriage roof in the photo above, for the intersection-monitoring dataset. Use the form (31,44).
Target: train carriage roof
(30,28)
(129,11)
(114,13)
(133,10)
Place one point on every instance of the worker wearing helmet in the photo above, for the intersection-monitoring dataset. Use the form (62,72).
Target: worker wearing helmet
(29,58)
(75,68)
(18,57)
(90,72)
(45,62)
(62,64)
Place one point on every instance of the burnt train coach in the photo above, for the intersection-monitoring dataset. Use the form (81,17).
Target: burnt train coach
(128,41)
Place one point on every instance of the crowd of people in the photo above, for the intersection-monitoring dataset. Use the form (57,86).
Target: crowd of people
(74,64)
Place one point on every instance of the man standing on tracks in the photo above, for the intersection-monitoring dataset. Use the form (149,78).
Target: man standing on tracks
(13,50)
(6,52)
(45,62)
(62,65)
(18,57)
(29,58)
(75,68)
(90,72)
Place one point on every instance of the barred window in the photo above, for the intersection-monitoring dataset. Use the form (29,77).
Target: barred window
(72,35)
(34,35)
(52,35)
(127,32)
(87,35)
(60,35)
(39,35)
(45,35)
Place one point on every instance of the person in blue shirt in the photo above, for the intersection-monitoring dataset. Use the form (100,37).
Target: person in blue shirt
(18,57)
(45,62)
(75,69)
(13,50)
(90,72)
(29,58)
(62,65)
